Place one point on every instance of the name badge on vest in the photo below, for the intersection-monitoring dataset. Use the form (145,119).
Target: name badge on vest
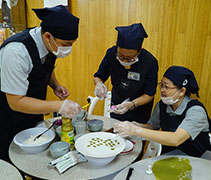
(133,76)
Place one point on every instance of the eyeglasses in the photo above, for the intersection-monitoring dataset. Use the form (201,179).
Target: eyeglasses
(129,59)
(165,87)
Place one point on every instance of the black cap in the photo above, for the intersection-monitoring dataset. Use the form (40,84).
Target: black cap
(131,37)
(59,22)
(182,77)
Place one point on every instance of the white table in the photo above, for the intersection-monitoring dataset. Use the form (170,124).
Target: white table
(201,168)
(36,165)
(8,171)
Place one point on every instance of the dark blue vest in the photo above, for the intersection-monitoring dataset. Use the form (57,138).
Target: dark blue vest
(194,147)
(12,121)
(124,88)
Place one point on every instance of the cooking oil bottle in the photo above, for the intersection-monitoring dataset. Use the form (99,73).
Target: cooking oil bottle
(67,132)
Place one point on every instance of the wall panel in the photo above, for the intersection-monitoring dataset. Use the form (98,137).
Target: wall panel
(32,19)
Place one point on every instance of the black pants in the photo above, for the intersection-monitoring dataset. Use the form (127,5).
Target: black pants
(5,141)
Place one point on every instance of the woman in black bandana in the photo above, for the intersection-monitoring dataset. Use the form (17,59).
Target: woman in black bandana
(133,71)
(184,121)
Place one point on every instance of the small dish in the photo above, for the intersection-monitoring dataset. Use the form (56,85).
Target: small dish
(59,148)
(129,146)
(95,125)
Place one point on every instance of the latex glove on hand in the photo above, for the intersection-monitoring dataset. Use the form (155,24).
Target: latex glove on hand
(123,107)
(61,92)
(137,124)
(69,109)
(126,128)
(101,90)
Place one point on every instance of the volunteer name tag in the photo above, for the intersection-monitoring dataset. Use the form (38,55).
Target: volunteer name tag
(133,76)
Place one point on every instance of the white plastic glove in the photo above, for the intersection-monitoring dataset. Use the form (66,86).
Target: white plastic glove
(126,128)
(61,92)
(69,109)
(101,90)
(137,124)
(123,107)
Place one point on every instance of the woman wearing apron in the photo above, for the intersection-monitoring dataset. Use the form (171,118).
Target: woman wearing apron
(133,71)
(184,121)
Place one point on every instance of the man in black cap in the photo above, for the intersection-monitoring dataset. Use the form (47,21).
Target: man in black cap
(133,72)
(184,121)
(26,64)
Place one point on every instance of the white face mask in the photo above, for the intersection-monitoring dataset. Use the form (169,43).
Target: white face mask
(127,63)
(169,100)
(62,51)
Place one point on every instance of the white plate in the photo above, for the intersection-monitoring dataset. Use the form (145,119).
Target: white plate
(99,151)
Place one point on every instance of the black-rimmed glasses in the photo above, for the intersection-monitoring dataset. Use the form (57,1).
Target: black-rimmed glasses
(165,87)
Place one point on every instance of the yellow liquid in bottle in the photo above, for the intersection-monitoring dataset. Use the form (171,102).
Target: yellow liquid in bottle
(67,132)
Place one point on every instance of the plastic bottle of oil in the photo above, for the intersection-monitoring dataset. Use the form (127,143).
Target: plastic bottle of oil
(67,132)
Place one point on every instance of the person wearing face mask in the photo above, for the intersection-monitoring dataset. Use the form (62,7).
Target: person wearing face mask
(26,69)
(133,71)
(183,120)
